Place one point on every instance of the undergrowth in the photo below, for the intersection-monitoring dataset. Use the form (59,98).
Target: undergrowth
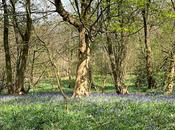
(92,113)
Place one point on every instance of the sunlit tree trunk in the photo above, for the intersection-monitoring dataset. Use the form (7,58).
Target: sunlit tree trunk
(82,84)
(170,77)
(169,83)
(7,49)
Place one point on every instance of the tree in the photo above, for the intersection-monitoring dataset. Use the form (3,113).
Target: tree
(6,48)
(22,35)
(119,15)
(82,24)
(170,76)
(169,83)
(147,41)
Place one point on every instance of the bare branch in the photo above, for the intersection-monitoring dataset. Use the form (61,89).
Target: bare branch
(65,15)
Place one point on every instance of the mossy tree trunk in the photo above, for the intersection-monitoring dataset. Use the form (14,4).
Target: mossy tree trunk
(170,77)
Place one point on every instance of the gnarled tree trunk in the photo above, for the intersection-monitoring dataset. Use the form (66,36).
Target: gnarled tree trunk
(82,84)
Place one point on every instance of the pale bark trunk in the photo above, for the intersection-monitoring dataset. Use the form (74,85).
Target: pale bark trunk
(169,84)
(170,77)
(82,84)
(6,49)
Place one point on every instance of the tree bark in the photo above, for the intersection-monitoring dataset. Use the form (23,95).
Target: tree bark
(168,88)
(22,47)
(21,68)
(149,67)
(7,49)
(116,52)
(82,84)
(170,77)
(116,61)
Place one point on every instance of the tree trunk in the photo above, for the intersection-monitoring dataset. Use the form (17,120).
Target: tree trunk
(6,49)
(150,79)
(22,41)
(21,68)
(116,67)
(149,68)
(32,68)
(82,84)
(116,52)
(170,77)
(168,88)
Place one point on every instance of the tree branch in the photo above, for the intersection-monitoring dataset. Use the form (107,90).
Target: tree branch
(65,15)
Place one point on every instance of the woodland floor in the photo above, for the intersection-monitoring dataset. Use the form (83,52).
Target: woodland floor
(57,96)
(48,111)
(45,109)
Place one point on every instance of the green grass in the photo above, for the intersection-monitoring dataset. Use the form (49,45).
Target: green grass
(45,112)
(96,113)
(50,85)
